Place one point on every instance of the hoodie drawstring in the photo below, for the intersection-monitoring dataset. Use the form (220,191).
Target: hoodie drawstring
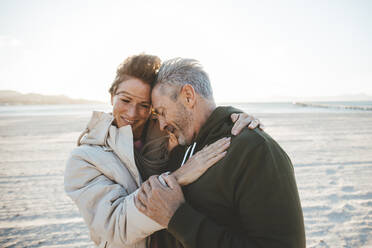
(161,179)
(187,151)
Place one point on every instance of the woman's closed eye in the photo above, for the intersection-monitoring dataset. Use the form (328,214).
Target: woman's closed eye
(125,100)
(146,106)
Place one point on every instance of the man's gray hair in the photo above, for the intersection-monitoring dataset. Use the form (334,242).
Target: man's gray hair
(179,71)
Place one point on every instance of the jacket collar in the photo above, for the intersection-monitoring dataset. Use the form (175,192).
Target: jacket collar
(101,132)
(213,127)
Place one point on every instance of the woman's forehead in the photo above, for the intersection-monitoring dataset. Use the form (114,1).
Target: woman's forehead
(134,88)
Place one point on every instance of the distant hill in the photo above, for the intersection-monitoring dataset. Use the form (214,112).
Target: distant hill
(9,97)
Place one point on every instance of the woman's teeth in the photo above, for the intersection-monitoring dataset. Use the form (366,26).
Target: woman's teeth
(128,121)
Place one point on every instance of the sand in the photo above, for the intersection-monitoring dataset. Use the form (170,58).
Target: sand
(332,154)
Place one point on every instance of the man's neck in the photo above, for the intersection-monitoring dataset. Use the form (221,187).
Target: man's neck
(203,110)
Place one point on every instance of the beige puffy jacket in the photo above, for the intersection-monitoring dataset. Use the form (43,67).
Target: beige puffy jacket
(101,178)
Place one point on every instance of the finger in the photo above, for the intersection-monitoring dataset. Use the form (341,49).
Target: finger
(234,117)
(219,142)
(240,124)
(161,179)
(172,182)
(155,183)
(210,153)
(211,162)
(146,187)
(220,149)
(141,199)
(142,190)
(138,203)
(254,124)
(212,147)
(261,126)
(215,159)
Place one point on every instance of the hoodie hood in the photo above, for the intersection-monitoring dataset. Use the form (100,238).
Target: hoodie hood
(216,126)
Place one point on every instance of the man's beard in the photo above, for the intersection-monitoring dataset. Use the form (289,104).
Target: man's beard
(184,121)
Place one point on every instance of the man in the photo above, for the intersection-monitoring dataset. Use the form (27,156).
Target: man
(249,199)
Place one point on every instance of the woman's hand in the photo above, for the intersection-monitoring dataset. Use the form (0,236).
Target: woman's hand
(242,120)
(172,142)
(201,161)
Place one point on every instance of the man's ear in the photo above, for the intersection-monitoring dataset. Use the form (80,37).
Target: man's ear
(188,95)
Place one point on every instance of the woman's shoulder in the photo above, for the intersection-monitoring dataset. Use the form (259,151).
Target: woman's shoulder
(93,154)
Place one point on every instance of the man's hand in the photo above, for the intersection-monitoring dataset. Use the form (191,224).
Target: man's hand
(157,201)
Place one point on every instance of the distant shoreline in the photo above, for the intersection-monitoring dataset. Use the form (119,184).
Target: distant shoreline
(14,98)
(336,106)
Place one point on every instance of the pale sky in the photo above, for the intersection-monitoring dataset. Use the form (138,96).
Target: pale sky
(251,50)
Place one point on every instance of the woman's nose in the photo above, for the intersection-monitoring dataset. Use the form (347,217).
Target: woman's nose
(132,112)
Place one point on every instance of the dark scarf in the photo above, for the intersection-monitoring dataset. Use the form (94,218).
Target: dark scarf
(152,158)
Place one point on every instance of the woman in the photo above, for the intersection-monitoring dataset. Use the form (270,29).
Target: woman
(118,151)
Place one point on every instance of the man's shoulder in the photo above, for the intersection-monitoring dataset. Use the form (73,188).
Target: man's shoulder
(258,147)
(245,149)
(251,139)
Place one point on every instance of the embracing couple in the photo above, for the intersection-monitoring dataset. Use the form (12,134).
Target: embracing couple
(168,168)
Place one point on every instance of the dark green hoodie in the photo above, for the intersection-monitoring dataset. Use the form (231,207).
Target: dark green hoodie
(248,199)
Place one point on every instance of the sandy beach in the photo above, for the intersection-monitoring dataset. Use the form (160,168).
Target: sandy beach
(332,154)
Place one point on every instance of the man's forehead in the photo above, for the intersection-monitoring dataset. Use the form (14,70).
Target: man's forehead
(156,90)
(158,98)
(154,99)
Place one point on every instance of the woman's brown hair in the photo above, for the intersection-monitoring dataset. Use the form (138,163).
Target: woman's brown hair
(143,67)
